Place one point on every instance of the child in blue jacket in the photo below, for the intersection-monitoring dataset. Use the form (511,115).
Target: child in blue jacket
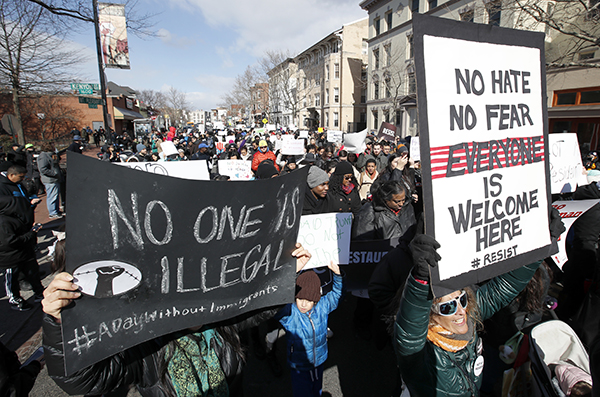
(305,322)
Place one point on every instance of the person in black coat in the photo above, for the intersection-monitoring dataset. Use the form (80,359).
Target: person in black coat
(343,190)
(316,195)
(389,215)
(76,146)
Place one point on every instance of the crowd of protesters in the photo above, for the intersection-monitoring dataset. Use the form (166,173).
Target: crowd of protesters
(438,342)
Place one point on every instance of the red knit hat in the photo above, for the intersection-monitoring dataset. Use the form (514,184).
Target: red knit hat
(308,286)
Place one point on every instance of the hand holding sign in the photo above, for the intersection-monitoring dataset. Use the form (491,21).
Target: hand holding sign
(61,291)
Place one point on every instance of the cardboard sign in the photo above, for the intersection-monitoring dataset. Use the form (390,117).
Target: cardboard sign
(160,254)
(335,136)
(355,143)
(292,147)
(237,170)
(387,131)
(569,211)
(320,129)
(415,149)
(566,169)
(195,169)
(326,237)
(303,134)
(168,148)
(482,120)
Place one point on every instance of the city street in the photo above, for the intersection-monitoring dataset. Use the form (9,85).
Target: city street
(354,367)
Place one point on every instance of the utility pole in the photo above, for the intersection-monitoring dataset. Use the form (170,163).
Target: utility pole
(101,68)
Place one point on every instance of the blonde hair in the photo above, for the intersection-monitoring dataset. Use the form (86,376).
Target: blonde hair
(472,310)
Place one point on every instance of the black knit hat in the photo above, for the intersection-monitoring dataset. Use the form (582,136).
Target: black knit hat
(344,168)
(308,286)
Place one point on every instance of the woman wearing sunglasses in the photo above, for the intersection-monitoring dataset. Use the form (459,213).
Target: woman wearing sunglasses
(439,351)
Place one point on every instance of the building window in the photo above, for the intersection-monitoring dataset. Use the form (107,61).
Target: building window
(376,58)
(398,118)
(414,6)
(327,119)
(336,95)
(336,119)
(363,117)
(388,54)
(586,97)
(335,47)
(375,120)
(377,25)
(305,82)
(336,71)
(586,55)
(494,12)
(411,50)
(432,4)
(376,90)
(365,47)
(327,72)
(412,84)
(388,18)
(363,96)
(317,100)
(468,16)
(318,79)
(327,96)
(386,116)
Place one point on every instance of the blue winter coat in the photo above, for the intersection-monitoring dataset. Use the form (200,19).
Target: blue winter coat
(307,332)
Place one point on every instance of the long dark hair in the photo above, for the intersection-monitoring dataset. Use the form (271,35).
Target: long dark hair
(335,182)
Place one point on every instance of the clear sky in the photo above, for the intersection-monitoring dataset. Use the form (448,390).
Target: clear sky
(204,44)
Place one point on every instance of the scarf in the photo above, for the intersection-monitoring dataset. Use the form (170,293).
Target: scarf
(195,369)
(448,341)
(348,189)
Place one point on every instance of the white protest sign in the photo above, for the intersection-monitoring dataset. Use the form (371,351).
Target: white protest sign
(569,211)
(483,147)
(293,146)
(168,148)
(335,136)
(195,169)
(230,139)
(222,132)
(415,149)
(355,143)
(237,170)
(566,169)
(303,134)
(326,237)
(270,127)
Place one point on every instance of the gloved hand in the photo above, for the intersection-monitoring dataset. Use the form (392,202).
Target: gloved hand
(556,225)
(423,249)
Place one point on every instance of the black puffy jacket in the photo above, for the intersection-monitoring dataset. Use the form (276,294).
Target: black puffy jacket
(141,365)
(21,208)
(377,222)
(587,227)
(17,241)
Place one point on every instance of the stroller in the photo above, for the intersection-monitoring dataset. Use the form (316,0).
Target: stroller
(552,342)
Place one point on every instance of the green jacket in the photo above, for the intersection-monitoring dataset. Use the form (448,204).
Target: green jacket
(429,370)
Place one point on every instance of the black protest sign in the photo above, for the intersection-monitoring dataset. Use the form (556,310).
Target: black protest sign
(364,257)
(482,120)
(387,131)
(156,254)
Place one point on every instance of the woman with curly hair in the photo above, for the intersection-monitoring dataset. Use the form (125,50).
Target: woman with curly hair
(343,190)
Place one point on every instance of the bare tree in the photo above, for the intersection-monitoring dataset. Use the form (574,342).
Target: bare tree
(241,92)
(55,115)
(153,100)
(32,54)
(70,12)
(176,106)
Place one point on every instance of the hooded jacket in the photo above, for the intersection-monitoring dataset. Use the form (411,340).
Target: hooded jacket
(259,157)
(17,240)
(307,332)
(429,370)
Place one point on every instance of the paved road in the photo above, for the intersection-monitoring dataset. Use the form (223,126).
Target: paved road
(354,368)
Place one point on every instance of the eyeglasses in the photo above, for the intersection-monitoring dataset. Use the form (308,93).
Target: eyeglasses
(450,307)
(348,177)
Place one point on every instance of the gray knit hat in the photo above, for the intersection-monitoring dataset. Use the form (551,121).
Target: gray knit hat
(316,176)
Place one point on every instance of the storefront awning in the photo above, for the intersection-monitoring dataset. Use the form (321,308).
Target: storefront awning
(126,114)
(574,112)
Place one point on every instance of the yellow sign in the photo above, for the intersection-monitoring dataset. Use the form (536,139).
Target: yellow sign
(320,129)
(265,121)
